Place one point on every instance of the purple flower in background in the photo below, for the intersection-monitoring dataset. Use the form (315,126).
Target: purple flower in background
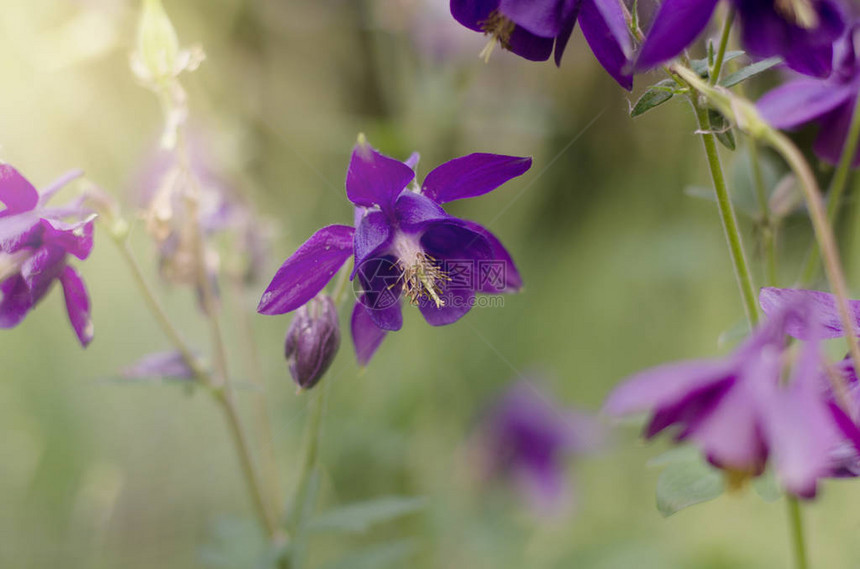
(528,439)
(404,244)
(802,32)
(532,28)
(741,412)
(35,244)
(828,102)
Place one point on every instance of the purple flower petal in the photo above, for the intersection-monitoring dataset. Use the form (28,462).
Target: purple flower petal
(58,184)
(833,133)
(373,235)
(374,179)
(540,17)
(41,268)
(605,29)
(77,304)
(414,211)
(16,193)
(454,240)
(74,238)
(381,287)
(471,13)
(366,336)
(677,25)
(566,31)
(665,385)
(472,175)
(457,303)
(15,301)
(491,282)
(164,364)
(823,305)
(801,101)
(308,270)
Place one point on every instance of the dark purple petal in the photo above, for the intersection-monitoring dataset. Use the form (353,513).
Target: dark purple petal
(833,133)
(77,304)
(499,274)
(605,29)
(163,364)
(366,336)
(799,102)
(74,238)
(414,211)
(15,301)
(677,25)
(372,236)
(41,269)
(529,46)
(374,179)
(381,287)
(472,175)
(16,193)
(540,17)
(665,385)
(566,31)
(472,13)
(821,304)
(18,231)
(690,410)
(308,270)
(457,302)
(454,240)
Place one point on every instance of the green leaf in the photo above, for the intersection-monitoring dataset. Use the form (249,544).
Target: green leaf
(701,67)
(750,71)
(376,557)
(686,481)
(360,516)
(655,96)
(722,129)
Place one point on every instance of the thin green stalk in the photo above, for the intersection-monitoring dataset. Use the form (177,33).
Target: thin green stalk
(204,377)
(721,49)
(768,226)
(836,189)
(797,536)
(729,219)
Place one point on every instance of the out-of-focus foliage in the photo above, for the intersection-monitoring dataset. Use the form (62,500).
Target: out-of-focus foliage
(622,271)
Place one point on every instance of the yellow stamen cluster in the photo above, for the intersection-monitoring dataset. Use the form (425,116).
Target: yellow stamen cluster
(499,28)
(423,278)
(800,12)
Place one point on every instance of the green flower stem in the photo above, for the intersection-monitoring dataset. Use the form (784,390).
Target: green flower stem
(714,75)
(836,189)
(797,537)
(729,219)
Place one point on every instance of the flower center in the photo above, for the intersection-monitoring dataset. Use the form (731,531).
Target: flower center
(799,12)
(499,28)
(421,275)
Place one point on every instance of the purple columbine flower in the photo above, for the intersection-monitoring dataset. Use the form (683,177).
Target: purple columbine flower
(532,28)
(829,102)
(404,244)
(312,341)
(35,244)
(743,409)
(802,32)
(528,439)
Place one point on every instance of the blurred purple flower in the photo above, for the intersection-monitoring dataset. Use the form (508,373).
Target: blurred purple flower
(829,102)
(167,365)
(741,412)
(404,244)
(802,32)
(35,244)
(528,439)
(531,28)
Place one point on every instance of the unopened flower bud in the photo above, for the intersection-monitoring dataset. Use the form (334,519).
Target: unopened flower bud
(157,43)
(312,341)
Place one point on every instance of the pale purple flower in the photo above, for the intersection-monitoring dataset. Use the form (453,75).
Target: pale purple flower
(404,244)
(743,410)
(802,32)
(529,440)
(828,102)
(534,28)
(36,242)
(164,365)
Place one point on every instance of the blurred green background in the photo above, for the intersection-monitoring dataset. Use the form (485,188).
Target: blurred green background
(622,271)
